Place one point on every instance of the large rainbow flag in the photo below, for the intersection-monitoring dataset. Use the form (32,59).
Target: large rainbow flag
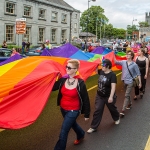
(26,85)
(70,51)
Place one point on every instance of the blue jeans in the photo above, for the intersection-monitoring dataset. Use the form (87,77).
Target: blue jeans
(68,123)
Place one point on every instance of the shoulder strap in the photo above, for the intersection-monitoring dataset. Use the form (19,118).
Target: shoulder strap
(129,70)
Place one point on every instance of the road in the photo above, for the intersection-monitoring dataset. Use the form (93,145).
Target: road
(131,134)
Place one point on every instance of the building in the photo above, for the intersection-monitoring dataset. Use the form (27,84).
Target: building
(144,33)
(147,17)
(45,19)
(87,36)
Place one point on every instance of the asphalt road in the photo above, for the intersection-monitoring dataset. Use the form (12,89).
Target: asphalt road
(131,134)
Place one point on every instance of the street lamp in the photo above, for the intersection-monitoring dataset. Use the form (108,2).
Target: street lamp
(88,22)
(132,26)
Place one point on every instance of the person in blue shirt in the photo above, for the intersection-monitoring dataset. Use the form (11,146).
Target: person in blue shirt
(127,78)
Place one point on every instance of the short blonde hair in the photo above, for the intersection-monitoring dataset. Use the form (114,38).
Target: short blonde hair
(75,62)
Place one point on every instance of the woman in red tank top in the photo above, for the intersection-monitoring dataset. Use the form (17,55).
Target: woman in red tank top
(73,99)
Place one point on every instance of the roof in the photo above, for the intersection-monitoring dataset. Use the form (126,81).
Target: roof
(58,3)
(87,34)
(145,29)
(61,3)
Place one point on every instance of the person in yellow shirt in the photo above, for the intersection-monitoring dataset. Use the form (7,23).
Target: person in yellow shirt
(48,45)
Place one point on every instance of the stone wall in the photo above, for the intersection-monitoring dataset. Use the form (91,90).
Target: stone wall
(34,22)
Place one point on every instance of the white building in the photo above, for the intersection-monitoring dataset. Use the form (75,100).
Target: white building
(45,19)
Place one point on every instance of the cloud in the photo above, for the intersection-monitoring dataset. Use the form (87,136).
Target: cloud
(119,12)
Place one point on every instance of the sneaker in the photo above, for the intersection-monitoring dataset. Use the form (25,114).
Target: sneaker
(117,122)
(122,114)
(91,130)
(129,106)
(76,142)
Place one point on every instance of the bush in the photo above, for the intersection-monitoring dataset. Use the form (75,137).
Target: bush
(13,46)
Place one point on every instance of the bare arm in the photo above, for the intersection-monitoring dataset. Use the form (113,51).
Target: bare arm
(147,66)
(113,88)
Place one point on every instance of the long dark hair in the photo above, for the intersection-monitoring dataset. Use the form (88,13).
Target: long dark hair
(43,45)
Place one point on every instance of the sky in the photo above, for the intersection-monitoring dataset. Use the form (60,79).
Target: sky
(119,12)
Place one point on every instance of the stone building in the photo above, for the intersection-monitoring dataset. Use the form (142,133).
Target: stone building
(147,17)
(45,19)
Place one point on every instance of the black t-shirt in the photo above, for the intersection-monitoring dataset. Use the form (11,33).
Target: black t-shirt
(104,83)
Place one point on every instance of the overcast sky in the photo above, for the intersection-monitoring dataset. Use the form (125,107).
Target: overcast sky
(119,12)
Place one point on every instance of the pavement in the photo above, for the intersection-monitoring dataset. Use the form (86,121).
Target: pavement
(131,134)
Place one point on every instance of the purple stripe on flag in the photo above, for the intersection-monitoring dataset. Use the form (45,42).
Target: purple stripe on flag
(11,59)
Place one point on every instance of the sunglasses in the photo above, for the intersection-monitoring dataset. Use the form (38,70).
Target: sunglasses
(103,65)
(69,68)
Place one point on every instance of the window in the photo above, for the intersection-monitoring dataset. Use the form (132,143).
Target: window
(76,16)
(42,13)
(53,35)
(64,18)
(26,36)
(63,35)
(10,8)
(27,11)
(75,27)
(54,16)
(41,34)
(10,33)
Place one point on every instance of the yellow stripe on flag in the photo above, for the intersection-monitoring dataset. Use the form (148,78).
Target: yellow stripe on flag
(5,68)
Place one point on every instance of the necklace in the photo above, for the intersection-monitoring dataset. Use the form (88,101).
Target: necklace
(70,83)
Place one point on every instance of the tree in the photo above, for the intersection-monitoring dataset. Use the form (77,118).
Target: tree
(130,30)
(92,18)
(143,24)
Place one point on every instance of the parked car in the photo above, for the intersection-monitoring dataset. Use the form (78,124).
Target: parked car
(34,51)
(108,45)
(4,54)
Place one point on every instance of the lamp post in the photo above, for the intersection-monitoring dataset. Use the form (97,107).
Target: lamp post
(132,26)
(88,22)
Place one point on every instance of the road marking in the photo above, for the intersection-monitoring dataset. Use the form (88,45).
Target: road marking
(147,147)
(2,130)
(96,85)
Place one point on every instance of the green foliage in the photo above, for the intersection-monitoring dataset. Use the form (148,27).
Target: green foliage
(130,30)
(94,18)
(13,46)
(143,24)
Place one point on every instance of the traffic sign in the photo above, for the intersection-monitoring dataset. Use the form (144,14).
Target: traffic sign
(21,26)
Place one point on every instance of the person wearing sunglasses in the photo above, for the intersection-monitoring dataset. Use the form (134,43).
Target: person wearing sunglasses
(105,96)
(73,99)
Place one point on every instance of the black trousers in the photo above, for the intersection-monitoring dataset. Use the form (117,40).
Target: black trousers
(137,90)
(99,109)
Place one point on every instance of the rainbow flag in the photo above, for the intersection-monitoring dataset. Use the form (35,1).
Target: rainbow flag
(26,85)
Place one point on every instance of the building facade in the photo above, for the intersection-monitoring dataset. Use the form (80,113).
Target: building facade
(54,20)
(144,33)
(147,17)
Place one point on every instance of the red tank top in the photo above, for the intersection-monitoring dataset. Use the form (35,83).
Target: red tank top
(70,99)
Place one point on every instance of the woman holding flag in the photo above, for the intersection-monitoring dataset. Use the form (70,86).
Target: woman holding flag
(73,99)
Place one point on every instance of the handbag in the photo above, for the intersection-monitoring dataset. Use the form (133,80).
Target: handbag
(135,80)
